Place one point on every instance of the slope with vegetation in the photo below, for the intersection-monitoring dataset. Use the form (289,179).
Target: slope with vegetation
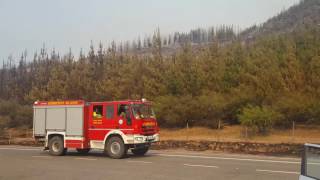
(269,82)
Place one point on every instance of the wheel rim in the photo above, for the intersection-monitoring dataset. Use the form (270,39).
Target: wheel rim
(55,146)
(115,148)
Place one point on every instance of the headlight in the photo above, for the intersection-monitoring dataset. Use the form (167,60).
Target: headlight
(138,138)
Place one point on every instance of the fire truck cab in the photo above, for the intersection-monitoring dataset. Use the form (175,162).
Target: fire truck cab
(114,126)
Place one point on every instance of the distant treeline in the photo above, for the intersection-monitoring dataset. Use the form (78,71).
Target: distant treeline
(221,34)
(272,81)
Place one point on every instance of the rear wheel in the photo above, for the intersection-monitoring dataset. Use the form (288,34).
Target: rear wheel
(56,146)
(115,148)
(83,151)
(140,151)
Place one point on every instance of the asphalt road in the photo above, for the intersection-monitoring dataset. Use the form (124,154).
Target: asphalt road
(20,162)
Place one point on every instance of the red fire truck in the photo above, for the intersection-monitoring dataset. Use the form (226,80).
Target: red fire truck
(114,126)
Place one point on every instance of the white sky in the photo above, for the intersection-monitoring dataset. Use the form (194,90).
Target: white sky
(61,24)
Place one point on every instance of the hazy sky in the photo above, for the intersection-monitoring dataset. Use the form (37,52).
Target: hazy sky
(61,24)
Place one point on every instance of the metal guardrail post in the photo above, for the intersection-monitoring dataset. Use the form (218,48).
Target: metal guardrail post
(293,129)
(9,137)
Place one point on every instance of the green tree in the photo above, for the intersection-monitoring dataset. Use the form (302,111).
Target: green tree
(57,84)
(258,118)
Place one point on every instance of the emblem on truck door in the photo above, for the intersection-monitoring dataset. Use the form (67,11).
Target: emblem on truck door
(120,121)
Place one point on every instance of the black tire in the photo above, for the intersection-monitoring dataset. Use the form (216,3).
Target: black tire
(116,148)
(83,151)
(56,146)
(140,151)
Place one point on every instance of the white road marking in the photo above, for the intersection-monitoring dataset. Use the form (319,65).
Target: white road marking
(199,165)
(88,159)
(21,149)
(41,156)
(228,158)
(226,154)
(272,171)
(146,162)
(318,164)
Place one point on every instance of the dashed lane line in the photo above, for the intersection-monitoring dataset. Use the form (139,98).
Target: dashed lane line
(145,162)
(272,171)
(87,159)
(21,149)
(224,154)
(229,158)
(199,165)
(41,156)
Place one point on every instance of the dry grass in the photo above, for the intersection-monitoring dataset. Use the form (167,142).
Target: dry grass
(17,133)
(302,134)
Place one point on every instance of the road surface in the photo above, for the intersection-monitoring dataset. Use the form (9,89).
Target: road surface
(21,162)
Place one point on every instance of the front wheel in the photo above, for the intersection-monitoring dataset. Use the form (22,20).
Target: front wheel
(140,151)
(116,148)
(56,146)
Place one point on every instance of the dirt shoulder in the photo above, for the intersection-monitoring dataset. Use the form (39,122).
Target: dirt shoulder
(233,139)
(281,149)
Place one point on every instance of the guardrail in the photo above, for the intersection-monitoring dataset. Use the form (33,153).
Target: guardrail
(7,137)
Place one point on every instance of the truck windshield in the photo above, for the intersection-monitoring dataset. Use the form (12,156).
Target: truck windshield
(142,111)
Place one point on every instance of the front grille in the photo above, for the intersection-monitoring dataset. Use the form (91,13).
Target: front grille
(148,130)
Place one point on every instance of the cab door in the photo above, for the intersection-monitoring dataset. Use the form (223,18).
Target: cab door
(97,116)
(124,117)
(97,121)
(110,119)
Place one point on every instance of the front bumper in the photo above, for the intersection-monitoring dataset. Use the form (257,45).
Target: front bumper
(141,139)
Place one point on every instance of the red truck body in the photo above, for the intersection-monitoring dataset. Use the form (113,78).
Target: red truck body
(91,125)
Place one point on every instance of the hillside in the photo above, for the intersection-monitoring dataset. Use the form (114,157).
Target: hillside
(302,15)
(306,13)
(271,82)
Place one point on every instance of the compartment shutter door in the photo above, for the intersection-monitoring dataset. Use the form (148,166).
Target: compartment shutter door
(56,118)
(39,121)
(74,121)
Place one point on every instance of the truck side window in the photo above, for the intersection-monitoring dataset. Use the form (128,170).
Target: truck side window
(97,111)
(110,111)
(123,111)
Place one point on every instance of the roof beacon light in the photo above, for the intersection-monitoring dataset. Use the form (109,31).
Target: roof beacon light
(143,100)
